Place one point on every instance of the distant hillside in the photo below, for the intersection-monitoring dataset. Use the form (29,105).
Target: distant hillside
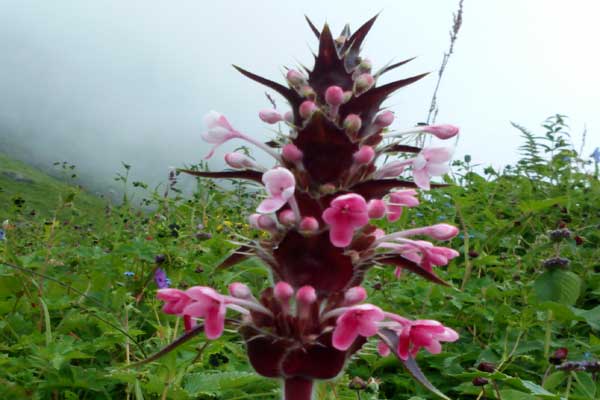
(24,189)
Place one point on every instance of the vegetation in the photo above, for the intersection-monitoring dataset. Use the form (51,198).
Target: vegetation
(77,292)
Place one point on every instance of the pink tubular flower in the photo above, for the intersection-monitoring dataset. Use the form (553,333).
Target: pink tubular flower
(399,199)
(442,231)
(287,217)
(210,305)
(357,321)
(376,208)
(270,116)
(427,334)
(240,161)
(355,295)
(291,153)
(442,131)
(431,161)
(239,290)
(264,222)
(219,131)
(345,214)
(175,300)
(364,155)
(426,254)
(280,185)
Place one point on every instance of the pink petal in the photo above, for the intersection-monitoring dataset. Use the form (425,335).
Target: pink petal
(437,154)
(421,178)
(214,323)
(341,236)
(434,347)
(383,349)
(344,334)
(270,205)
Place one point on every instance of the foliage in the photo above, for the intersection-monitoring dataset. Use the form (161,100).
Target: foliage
(77,307)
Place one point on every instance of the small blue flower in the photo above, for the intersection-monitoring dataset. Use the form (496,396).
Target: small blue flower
(129,274)
(2,234)
(160,277)
(596,155)
(442,218)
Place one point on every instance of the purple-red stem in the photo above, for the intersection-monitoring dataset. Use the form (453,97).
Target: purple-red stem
(297,389)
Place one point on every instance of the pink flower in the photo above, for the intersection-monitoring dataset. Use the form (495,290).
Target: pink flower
(270,116)
(384,119)
(355,295)
(392,169)
(240,161)
(291,153)
(399,199)
(376,208)
(308,224)
(175,300)
(357,321)
(264,222)
(280,185)
(219,131)
(442,131)
(364,155)
(442,231)
(240,291)
(307,108)
(334,95)
(287,217)
(427,334)
(431,161)
(426,254)
(345,214)
(210,305)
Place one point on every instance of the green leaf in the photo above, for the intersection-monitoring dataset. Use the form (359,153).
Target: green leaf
(538,205)
(554,380)
(592,317)
(558,285)
(585,384)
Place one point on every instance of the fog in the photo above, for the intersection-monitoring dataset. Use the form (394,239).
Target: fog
(100,82)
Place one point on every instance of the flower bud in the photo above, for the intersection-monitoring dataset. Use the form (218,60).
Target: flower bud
(355,295)
(486,367)
(309,224)
(295,78)
(334,95)
(480,381)
(240,291)
(327,188)
(376,208)
(442,231)
(352,124)
(364,155)
(559,234)
(283,291)
(384,119)
(289,117)
(347,96)
(261,221)
(291,153)
(363,83)
(307,108)
(365,65)
(308,92)
(239,161)
(556,262)
(306,295)
(287,217)
(270,116)
(559,356)
(442,131)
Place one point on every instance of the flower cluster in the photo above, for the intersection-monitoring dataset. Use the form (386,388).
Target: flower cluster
(327,186)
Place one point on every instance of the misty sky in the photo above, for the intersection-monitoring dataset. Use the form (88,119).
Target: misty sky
(99,82)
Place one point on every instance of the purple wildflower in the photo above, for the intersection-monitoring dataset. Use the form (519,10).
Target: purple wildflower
(160,277)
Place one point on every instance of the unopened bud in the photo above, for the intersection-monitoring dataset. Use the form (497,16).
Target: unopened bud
(308,92)
(364,155)
(376,208)
(295,78)
(556,262)
(306,295)
(261,221)
(365,65)
(352,124)
(239,161)
(363,83)
(307,108)
(357,383)
(442,231)
(283,291)
(486,367)
(355,295)
(559,234)
(309,224)
(559,356)
(442,131)
(291,153)
(347,96)
(287,217)
(289,117)
(239,290)
(270,116)
(384,119)
(334,95)
(327,188)
(480,381)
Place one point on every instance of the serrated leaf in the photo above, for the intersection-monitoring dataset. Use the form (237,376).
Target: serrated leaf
(558,285)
